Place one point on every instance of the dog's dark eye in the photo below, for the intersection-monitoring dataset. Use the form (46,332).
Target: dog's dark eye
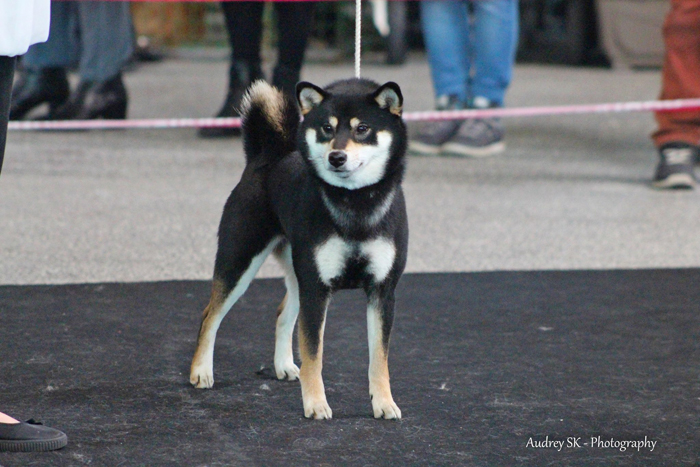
(361,129)
(327,129)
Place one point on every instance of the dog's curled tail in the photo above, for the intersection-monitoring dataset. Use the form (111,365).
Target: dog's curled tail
(270,121)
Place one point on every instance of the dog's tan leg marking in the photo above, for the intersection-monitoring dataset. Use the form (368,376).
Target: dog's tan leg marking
(379,388)
(202,369)
(204,355)
(312,390)
(282,305)
(286,319)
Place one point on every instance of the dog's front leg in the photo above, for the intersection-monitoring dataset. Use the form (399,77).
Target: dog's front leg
(312,322)
(380,318)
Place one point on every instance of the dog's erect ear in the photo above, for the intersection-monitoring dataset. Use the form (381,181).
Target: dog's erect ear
(389,96)
(309,96)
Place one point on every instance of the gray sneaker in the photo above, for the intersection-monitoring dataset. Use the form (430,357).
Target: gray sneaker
(675,169)
(477,137)
(432,135)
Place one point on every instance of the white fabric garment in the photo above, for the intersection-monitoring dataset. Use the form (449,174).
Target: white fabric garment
(23,23)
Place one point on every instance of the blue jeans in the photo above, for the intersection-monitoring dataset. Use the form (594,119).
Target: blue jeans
(97,36)
(471,46)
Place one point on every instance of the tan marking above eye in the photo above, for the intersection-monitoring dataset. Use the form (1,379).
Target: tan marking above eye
(354,122)
(333,121)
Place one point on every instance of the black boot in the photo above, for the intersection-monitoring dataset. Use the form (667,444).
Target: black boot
(241,75)
(36,87)
(93,100)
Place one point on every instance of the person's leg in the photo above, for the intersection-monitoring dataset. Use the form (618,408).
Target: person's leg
(15,435)
(493,43)
(7,72)
(244,27)
(678,133)
(495,39)
(106,44)
(62,49)
(106,39)
(294,25)
(681,73)
(44,78)
(445,25)
(6,419)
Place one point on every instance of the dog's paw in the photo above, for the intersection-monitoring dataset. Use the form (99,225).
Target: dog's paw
(385,408)
(318,410)
(288,371)
(202,379)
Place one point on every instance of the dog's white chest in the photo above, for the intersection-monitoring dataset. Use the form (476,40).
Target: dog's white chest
(333,255)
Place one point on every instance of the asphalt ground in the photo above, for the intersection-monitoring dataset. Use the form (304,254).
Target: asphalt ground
(489,369)
(570,192)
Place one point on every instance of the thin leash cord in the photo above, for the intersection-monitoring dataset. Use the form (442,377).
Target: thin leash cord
(358,36)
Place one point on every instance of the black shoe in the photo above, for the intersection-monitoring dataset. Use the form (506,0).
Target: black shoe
(93,100)
(241,75)
(675,169)
(30,436)
(36,87)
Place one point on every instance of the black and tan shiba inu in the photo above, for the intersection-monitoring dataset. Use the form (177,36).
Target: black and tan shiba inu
(324,196)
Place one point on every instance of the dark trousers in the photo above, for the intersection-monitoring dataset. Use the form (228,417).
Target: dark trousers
(95,36)
(7,72)
(244,26)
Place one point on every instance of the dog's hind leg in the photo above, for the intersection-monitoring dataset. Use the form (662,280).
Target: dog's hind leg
(248,232)
(225,293)
(287,317)
(380,317)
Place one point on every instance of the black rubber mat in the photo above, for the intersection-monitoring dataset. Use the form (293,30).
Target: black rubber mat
(489,369)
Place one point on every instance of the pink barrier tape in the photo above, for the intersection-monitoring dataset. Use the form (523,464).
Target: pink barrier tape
(656,106)
(145,123)
(160,123)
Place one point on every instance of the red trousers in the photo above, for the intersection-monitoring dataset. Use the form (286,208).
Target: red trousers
(681,73)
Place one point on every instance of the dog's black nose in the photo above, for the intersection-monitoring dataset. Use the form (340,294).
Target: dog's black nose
(337,158)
